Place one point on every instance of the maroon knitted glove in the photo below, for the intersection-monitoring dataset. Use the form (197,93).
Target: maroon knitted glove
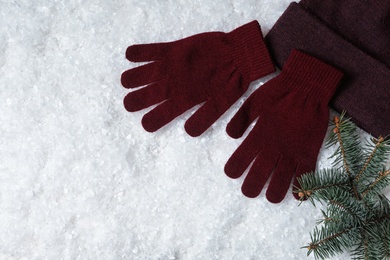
(292,111)
(364,91)
(215,68)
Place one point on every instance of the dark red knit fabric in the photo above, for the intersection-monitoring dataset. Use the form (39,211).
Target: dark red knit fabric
(365,90)
(364,23)
(215,68)
(292,111)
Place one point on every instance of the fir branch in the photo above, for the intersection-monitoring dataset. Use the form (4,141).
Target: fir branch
(348,153)
(311,184)
(386,240)
(352,207)
(327,219)
(377,144)
(379,206)
(316,244)
(315,193)
(380,149)
(357,214)
(378,220)
(362,253)
(336,130)
(340,218)
(374,244)
(382,181)
(326,244)
(365,249)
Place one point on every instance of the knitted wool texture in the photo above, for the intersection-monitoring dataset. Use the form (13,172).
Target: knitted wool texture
(214,68)
(365,90)
(366,24)
(292,111)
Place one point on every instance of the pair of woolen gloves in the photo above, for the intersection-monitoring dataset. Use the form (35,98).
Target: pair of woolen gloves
(214,70)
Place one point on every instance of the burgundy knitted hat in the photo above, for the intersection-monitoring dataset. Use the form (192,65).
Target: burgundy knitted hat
(365,90)
(364,23)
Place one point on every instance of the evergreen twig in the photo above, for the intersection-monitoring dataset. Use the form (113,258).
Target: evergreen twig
(377,144)
(336,130)
(358,214)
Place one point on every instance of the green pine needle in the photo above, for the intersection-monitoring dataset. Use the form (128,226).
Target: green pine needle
(326,243)
(357,215)
(316,186)
(348,154)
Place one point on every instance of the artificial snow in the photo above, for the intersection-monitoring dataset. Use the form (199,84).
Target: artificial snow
(79,176)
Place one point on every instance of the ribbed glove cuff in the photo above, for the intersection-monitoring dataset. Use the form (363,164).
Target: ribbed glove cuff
(364,91)
(250,52)
(313,77)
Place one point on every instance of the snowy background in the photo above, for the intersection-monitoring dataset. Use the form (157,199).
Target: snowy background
(81,179)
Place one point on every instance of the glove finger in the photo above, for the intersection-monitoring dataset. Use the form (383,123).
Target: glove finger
(259,173)
(147,96)
(301,169)
(167,111)
(213,109)
(143,75)
(281,180)
(148,52)
(247,113)
(260,100)
(242,157)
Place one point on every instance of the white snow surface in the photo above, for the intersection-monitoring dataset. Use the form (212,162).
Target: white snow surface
(79,176)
